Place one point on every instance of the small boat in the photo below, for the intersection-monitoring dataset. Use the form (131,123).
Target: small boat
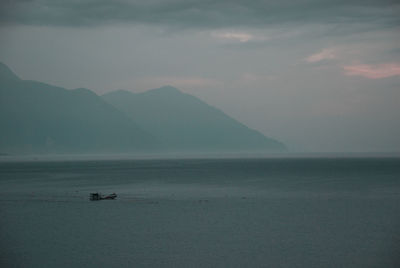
(110,196)
(98,196)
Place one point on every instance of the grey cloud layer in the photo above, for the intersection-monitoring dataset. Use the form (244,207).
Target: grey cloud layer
(203,14)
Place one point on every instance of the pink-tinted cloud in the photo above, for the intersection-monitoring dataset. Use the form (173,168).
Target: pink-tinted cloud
(373,71)
(325,54)
(241,37)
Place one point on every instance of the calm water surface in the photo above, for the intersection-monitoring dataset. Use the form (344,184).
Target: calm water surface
(271,212)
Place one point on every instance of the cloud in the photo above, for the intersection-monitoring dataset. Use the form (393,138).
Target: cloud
(241,37)
(373,71)
(325,54)
(194,13)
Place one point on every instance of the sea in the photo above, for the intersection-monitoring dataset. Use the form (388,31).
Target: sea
(297,211)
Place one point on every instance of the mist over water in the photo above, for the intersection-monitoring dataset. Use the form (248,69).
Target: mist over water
(254,212)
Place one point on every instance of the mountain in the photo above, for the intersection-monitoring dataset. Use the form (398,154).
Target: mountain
(183,122)
(40,118)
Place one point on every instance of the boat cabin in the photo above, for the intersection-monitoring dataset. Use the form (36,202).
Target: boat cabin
(95,196)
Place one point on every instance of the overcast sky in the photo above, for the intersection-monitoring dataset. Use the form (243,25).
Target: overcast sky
(319,75)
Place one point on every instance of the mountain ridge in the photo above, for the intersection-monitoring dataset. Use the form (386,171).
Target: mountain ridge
(39,118)
(188,109)
(7,73)
(36,117)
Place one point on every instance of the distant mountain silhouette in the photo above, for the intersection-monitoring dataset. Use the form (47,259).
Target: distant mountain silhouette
(36,118)
(40,118)
(6,74)
(183,122)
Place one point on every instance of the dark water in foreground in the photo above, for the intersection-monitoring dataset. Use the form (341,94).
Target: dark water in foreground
(329,212)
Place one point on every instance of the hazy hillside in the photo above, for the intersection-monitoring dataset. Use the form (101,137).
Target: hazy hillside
(36,117)
(40,118)
(183,122)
